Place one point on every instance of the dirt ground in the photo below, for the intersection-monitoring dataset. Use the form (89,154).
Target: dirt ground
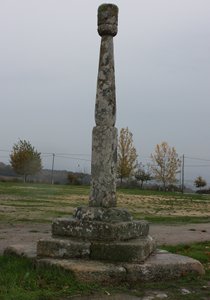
(164,234)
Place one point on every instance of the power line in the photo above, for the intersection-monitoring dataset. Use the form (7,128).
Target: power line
(74,158)
(46,156)
(197,166)
(197,158)
(69,154)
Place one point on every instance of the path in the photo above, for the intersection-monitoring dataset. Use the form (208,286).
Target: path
(164,234)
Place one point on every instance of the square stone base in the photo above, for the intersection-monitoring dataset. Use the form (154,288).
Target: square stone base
(63,248)
(124,251)
(100,231)
(121,251)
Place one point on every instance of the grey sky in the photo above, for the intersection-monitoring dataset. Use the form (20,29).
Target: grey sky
(48,69)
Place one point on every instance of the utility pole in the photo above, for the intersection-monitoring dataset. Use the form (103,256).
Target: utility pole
(52,172)
(183,174)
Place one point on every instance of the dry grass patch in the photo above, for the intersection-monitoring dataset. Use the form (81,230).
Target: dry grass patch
(45,202)
(163,205)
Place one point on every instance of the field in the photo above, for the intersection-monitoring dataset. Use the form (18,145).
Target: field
(31,203)
(42,203)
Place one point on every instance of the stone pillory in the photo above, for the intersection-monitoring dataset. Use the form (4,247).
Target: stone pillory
(101,231)
(104,136)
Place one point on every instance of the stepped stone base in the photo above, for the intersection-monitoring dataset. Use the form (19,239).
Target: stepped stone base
(159,266)
(128,251)
(125,251)
(97,230)
(106,246)
(63,248)
(98,233)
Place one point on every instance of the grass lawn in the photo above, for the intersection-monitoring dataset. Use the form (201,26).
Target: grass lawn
(21,280)
(41,203)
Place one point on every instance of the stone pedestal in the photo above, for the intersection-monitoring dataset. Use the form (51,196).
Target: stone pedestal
(91,234)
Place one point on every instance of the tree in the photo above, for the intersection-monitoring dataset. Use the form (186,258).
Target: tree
(165,164)
(127,156)
(25,160)
(142,175)
(73,179)
(200,182)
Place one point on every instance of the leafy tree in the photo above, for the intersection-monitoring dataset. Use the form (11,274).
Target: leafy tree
(200,182)
(142,175)
(25,160)
(165,164)
(127,156)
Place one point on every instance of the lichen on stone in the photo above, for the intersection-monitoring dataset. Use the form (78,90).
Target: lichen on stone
(104,7)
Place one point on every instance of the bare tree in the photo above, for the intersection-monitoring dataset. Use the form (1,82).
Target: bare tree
(165,164)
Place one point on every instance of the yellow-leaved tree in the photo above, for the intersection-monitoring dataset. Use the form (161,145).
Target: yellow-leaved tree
(165,165)
(127,156)
(25,159)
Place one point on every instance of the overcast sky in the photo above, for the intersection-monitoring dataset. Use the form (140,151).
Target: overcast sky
(48,71)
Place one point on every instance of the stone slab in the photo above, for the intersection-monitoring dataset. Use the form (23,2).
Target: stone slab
(163,265)
(58,248)
(23,250)
(101,231)
(158,267)
(89,271)
(126,251)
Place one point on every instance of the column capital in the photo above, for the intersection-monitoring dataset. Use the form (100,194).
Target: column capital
(107,19)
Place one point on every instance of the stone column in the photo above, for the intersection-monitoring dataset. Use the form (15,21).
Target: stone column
(101,231)
(104,135)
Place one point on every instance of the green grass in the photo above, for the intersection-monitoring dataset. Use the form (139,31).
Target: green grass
(199,251)
(21,189)
(175,195)
(175,220)
(20,279)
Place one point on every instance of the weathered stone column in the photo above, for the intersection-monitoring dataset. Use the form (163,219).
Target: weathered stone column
(104,135)
(101,231)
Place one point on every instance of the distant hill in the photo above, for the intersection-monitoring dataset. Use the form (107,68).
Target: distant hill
(45,176)
(6,170)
